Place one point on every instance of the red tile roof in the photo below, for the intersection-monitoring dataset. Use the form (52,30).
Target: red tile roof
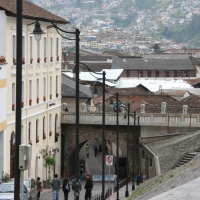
(30,11)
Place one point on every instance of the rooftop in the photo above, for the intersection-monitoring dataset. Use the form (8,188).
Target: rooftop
(30,11)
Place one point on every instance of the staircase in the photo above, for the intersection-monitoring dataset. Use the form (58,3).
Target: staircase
(186,158)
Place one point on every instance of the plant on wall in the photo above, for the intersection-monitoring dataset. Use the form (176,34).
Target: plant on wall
(49,161)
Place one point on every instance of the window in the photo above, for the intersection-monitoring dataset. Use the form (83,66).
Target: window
(157,73)
(50,125)
(45,47)
(30,89)
(23,47)
(56,128)
(57,49)
(29,133)
(50,87)
(37,133)
(31,49)
(44,89)
(127,73)
(51,47)
(56,85)
(44,130)
(148,73)
(38,49)
(150,162)
(14,47)
(13,94)
(185,74)
(37,88)
(143,154)
(22,91)
(175,73)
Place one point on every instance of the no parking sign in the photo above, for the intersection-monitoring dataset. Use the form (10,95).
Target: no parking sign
(109,160)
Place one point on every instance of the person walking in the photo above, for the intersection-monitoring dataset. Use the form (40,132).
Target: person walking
(66,188)
(56,186)
(138,179)
(39,188)
(87,150)
(95,151)
(76,188)
(88,187)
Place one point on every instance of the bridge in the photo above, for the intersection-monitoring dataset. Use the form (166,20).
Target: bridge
(150,126)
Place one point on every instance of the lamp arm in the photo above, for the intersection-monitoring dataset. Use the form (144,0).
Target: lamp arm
(55,26)
(63,36)
(90,69)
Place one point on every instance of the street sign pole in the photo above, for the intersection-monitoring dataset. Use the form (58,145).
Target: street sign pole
(109,162)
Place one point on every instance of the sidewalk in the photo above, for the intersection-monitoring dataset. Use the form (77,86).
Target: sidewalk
(187,191)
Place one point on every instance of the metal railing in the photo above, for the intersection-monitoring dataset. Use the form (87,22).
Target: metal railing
(121,184)
(97,197)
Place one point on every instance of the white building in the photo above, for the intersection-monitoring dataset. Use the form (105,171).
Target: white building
(41,87)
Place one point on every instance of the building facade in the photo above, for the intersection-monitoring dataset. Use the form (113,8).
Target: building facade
(41,89)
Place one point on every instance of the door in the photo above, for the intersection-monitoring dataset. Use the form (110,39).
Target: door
(12,169)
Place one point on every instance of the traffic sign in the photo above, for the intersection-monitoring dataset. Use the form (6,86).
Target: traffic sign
(109,160)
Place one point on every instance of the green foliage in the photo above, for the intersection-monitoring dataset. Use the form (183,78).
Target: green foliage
(187,33)
(145,4)
(6,178)
(156,48)
(49,161)
(124,22)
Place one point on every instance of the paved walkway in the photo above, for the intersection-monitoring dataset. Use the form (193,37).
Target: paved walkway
(187,191)
(93,167)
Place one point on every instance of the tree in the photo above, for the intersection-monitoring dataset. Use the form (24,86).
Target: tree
(48,159)
(156,48)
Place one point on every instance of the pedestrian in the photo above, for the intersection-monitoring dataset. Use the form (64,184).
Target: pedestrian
(138,179)
(66,109)
(66,188)
(76,187)
(87,150)
(100,149)
(88,187)
(141,178)
(95,151)
(39,187)
(56,186)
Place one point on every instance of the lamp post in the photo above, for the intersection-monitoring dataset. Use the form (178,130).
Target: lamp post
(18,98)
(103,125)
(133,185)
(117,132)
(37,34)
(127,163)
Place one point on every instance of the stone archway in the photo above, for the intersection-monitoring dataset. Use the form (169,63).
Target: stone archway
(86,133)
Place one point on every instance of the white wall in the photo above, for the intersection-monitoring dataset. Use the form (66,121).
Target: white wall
(2,33)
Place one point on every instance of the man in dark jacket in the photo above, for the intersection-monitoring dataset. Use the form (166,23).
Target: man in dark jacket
(88,187)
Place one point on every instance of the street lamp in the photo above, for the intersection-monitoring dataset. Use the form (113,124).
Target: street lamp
(127,163)
(37,34)
(133,186)
(18,97)
(103,123)
(117,132)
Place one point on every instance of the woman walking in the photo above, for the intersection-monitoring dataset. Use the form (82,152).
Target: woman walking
(39,187)
(66,188)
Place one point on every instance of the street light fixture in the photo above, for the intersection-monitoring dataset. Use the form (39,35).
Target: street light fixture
(103,123)
(133,186)
(18,97)
(117,132)
(127,163)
